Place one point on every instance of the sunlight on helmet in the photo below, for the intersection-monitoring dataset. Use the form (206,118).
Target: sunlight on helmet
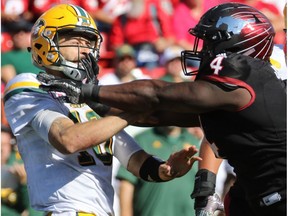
(64,20)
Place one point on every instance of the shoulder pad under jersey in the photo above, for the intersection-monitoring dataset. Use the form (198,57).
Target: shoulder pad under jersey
(25,82)
(232,65)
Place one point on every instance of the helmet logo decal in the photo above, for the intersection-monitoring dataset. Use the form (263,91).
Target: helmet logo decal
(37,27)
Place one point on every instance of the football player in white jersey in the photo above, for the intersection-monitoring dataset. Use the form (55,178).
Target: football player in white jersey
(68,148)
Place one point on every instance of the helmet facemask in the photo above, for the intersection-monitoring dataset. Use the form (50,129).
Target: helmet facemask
(75,70)
(212,38)
(191,55)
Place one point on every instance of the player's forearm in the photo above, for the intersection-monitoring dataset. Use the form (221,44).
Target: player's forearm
(69,138)
(151,95)
(140,95)
(171,102)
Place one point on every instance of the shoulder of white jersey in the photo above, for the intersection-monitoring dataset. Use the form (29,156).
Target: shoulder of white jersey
(25,82)
(278,62)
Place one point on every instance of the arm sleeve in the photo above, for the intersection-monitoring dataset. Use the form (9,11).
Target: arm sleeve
(125,146)
(38,110)
(43,121)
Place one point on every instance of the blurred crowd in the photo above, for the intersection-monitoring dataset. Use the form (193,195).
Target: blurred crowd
(141,39)
(148,26)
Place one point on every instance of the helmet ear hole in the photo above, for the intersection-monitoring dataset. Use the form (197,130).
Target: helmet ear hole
(38,46)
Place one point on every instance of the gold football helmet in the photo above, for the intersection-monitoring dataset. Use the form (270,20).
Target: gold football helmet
(63,19)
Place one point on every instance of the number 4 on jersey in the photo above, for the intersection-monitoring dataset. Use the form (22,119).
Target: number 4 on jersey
(216,64)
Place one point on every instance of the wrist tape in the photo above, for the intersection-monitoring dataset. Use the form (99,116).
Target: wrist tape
(149,170)
(205,182)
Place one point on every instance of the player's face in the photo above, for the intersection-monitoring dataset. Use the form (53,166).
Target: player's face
(174,67)
(74,48)
(125,64)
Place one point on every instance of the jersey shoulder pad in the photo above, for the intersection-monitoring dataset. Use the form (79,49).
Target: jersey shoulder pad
(235,66)
(227,69)
(225,65)
(25,82)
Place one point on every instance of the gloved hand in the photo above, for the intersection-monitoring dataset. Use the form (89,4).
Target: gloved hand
(70,87)
(92,69)
(207,206)
(75,91)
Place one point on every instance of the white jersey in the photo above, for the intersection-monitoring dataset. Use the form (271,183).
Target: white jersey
(79,182)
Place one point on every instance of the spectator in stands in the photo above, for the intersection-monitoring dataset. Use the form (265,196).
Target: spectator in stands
(18,60)
(125,67)
(41,6)
(139,198)
(186,14)
(104,12)
(108,11)
(13,11)
(6,42)
(171,60)
(147,27)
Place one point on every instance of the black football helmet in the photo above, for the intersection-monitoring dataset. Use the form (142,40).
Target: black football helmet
(231,27)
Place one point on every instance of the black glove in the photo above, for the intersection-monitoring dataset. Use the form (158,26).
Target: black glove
(70,87)
(75,91)
(92,69)
(206,200)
